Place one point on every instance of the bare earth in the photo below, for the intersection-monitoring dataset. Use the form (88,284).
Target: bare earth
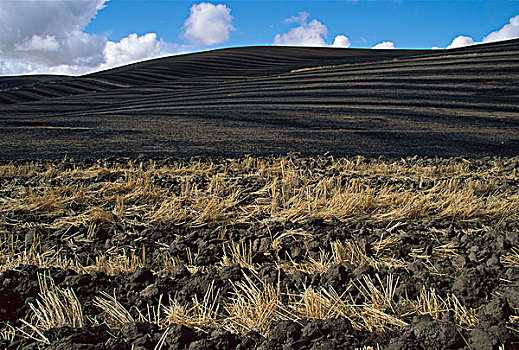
(261,100)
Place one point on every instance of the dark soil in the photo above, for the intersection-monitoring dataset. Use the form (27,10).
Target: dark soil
(475,274)
(482,283)
(262,101)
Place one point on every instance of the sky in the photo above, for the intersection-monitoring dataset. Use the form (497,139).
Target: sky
(81,36)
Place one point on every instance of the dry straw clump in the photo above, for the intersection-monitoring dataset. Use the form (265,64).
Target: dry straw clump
(113,261)
(429,303)
(116,315)
(55,308)
(252,306)
(511,259)
(349,252)
(252,190)
(199,314)
(238,253)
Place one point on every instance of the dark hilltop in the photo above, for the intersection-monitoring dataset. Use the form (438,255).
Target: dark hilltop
(273,100)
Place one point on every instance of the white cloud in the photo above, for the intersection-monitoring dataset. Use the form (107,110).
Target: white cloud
(301,18)
(131,49)
(461,41)
(39,37)
(50,32)
(387,45)
(508,31)
(306,34)
(311,33)
(341,41)
(10,67)
(208,24)
(14,68)
(48,43)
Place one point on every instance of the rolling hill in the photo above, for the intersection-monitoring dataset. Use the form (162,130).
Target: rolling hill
(273,100)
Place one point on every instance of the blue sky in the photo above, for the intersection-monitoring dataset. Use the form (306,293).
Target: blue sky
(409,24)
(80,36)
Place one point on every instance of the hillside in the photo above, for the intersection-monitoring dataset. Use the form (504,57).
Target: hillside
(271,100)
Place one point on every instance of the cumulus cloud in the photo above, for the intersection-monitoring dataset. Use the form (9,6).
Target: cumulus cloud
(38,43)
(48,37)
(50,32)
(387,45)
(208,24)
(131,49)
(15,68)
(306,34)
(311,33)
(508,31)
(10,67)
(341,41)
(461,41)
